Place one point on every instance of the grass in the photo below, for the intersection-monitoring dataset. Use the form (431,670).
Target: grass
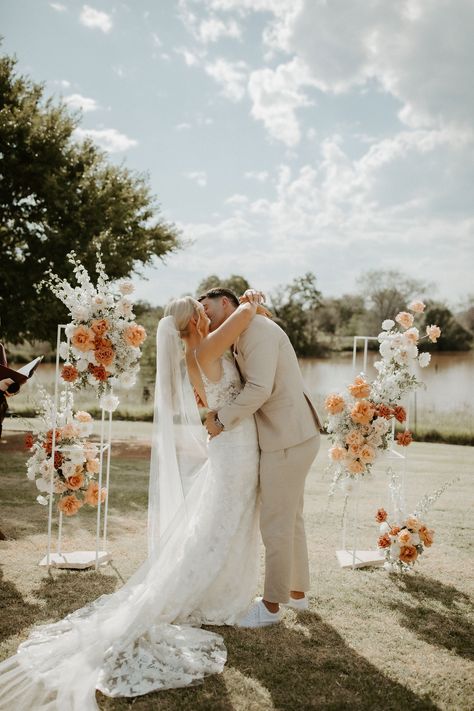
(370,640)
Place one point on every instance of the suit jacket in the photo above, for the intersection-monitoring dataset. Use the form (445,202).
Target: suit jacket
(274,390)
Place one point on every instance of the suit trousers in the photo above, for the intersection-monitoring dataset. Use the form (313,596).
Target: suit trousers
(282,481)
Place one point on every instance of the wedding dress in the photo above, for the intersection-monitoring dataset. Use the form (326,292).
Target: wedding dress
(201,568)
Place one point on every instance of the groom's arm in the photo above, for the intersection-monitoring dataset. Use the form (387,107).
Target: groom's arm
(260,352)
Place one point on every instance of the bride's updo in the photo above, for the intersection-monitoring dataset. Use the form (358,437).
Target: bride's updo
(183,311)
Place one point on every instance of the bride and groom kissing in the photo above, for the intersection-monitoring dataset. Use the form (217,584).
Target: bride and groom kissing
(208,494)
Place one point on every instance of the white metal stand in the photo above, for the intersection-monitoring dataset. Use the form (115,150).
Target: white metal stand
(78,559)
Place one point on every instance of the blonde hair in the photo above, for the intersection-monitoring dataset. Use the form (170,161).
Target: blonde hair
(182,311)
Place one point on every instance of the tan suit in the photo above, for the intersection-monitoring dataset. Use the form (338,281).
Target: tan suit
(288,431)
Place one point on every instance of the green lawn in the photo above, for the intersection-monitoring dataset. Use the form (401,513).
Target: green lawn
(370,641)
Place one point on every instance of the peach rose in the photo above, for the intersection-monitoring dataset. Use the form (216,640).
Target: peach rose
(362,412)
(367,453)
(355,467)
(384,411)
(404,438)
(92,466)
(399,413)
(100,326)
(334,404)
(394,531)
(75,481)
(413,524)
(69,373)
(433,333)
(384,541)
(417,307)
(412,335)
(82,416)
(426,535)
(337,453)
(69,505)
(404,319)
(381,515)
(134,335)
(354,450)
(360,388)
(60,486)
(69,431)
(408,554)
(83,338)
(354,437)
(404,537)
(92,494)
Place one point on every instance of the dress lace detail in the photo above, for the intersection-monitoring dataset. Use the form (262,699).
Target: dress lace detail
(146,635)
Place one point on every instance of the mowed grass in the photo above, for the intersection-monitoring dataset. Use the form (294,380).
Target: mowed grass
(370,640)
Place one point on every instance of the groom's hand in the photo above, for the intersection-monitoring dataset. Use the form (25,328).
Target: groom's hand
(211,425)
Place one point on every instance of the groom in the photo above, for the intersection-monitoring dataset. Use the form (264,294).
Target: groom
(288,433)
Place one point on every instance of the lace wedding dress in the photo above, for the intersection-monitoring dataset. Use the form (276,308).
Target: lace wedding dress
(147,636)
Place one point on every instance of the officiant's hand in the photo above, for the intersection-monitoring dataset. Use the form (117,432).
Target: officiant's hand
(211,425)
(4,384)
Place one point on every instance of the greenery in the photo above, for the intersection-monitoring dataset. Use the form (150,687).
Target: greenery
(370,641)
(59,194)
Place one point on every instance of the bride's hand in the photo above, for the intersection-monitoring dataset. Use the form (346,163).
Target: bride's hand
(253,296)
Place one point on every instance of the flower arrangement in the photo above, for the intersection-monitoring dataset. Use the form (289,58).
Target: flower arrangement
(104,339)
(360,422)
(75,458)
(404,541)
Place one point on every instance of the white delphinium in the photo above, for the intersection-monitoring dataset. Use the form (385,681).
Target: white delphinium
(388,324)
(424,359)
(109,402)
(126,287)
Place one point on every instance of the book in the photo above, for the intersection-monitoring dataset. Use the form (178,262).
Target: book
(19,376)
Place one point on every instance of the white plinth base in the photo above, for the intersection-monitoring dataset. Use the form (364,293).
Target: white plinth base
(75,559)
(362,559)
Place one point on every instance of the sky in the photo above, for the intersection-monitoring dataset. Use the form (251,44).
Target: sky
(280,137)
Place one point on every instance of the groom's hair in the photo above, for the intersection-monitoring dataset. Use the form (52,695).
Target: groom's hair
(219,292)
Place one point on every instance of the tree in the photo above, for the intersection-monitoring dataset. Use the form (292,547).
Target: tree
(236,283)
(57,194)
(453,336)
(295,307)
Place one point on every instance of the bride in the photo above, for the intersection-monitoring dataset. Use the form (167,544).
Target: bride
(202,534)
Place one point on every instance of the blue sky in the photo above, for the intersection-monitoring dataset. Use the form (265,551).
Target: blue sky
(326,135)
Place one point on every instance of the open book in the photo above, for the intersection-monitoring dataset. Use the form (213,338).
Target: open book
(19,376)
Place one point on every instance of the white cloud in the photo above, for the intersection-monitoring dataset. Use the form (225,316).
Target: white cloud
(76,101)
(237,199)
(95,19)
(156,40)
(109,139)
(212,29)
(58,6)
(64,83)
(189,57)
(260,175)
(197,176)
(183,126)
(231,76)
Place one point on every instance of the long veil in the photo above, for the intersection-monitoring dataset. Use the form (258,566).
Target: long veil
(128,643)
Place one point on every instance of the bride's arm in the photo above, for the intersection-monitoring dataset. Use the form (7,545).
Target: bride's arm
(223,337)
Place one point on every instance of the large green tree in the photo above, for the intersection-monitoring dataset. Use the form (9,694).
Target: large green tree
(59,194)
(295,307)
(236,283)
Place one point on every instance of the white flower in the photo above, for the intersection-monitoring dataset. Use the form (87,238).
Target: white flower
(46,469)
(80,313)
(42,500)
(64,350)
(82,364)
(386,349)
(127,380)
(124,307)
(42,485)
(424,359)
(31,473)
(388,324)
(91,357)
(84,428)
(384,527)
(126,287)
(99,302)
(76,454)
(68,468)
(109,402)
(69,330)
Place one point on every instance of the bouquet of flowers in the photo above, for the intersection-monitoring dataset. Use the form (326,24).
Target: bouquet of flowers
(75,458)
(404,541)
(360,423)
(104,339)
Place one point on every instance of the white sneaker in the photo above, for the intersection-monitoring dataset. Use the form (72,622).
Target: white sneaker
(259,616)
(297,604)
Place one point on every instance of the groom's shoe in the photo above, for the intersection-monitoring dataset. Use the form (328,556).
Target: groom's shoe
(258,615)
(301,603)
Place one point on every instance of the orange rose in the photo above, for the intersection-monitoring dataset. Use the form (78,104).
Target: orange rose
(69,505)
(408,554)
(394,531)
(354,450)
(381,515)
(92,494)
(58,460)
(362,412)
(384,541)
(384,411)
(334,404)
(29,440)
(337,453)
(413,524)
(404,537)
(134,335)
(433,333)
(367,453)
(360,388)
(426,535)
(404,438)
(100,326)
(104,355)
(399,413)
(355,467)
(98,371)
(75,481)
(92,466)
(354,437)
(404,319)
(69,373)
(83,338)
